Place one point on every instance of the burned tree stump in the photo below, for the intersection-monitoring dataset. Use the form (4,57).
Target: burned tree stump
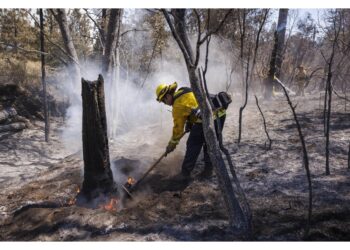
(98,176)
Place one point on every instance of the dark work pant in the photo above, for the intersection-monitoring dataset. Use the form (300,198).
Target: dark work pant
(194,146)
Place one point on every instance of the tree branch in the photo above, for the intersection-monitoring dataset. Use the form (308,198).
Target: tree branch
(198,38)
(25,50)
(265,128)
(177,37)
(305,155)
(217,28)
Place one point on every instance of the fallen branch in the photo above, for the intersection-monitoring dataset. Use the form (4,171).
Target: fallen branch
(7,113)
(305,156)
(23,49)
(14,127)
(341,97)
(267,134)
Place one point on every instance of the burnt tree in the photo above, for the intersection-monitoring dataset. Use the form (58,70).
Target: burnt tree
(43,75)
(97,172)
(336,21)
(276,55)
(239,221)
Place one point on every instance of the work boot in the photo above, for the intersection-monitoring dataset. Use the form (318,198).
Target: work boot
(182,177)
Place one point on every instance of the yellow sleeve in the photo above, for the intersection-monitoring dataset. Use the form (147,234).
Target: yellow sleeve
(180,115)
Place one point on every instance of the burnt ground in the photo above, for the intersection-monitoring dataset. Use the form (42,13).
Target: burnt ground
(38,184)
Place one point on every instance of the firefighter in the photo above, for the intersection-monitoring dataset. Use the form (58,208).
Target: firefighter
(186,116)
(301,79)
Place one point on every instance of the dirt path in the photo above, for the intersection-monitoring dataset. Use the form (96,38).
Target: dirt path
(274,182)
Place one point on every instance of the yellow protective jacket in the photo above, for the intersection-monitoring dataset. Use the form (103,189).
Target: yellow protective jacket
(183,106)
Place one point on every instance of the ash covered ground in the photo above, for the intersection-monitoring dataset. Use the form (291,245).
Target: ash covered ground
(39,182)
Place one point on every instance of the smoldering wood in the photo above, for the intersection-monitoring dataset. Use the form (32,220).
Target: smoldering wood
(97,172)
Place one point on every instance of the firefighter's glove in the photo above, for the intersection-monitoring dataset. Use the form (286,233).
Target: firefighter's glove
(188,126)
(170,148)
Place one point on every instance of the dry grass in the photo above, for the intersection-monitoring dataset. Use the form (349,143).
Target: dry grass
(24,73)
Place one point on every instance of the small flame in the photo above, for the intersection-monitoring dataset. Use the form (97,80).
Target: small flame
(111,205)
(131,180)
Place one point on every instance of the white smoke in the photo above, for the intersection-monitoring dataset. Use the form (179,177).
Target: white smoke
(138,126)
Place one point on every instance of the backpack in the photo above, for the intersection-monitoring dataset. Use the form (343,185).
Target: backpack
(221,100)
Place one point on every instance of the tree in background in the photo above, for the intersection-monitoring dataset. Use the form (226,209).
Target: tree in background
(276,54)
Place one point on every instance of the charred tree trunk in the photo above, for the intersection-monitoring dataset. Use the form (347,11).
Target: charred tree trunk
(337,27)
(238,220)
(245,100)
(61,18)
(349,157)
(43,76)
(97,172)
(281,33)
(276,55)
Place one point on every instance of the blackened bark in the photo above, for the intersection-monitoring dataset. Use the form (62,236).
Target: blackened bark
(281,33)
(238,221)
(43,76)
(349,157)
(276,55)
(245,100)
(97,172)
(329,106)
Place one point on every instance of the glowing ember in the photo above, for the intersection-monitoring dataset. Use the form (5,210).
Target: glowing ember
(131,180)
(73,200)
(111,205)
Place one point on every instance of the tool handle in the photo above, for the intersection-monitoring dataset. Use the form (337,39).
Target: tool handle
(150,169)
(154,165)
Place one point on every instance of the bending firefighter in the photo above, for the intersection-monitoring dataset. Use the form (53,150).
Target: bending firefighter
(186,116)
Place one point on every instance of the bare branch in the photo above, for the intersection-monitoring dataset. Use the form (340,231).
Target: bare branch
(198,38)
(217,28)
(262,114)
(25,50)
(150,60)
(134,30)
(305,155)
(50,41)
(97,26)
(177,37)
